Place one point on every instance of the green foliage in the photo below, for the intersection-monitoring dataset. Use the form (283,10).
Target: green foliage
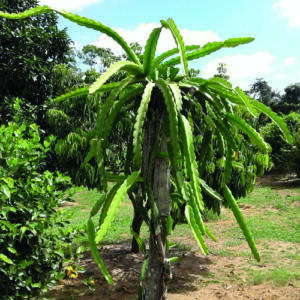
(169,24)
(290,100)
(138,126)
(239,168)
(115,203)
(140,242)
(73,119)
(246,101)
(191,166)
(150,49)
(170,108)
(173,118)
(29,49)
(276,119)
(189,214)
(97,206)
(249,131)
(33,232)
(222,70)
(285,103)
(93,55)
(208,49)
(241,221)
(95,253)
(261,91)
(286,157)
(121,65)
(109,197)
(159,59)
(80,21)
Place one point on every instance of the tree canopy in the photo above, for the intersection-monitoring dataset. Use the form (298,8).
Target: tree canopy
(263,92)
(290,100)
(284,103)
(29,50)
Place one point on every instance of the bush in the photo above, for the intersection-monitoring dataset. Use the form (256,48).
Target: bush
(286,157)
(33,233)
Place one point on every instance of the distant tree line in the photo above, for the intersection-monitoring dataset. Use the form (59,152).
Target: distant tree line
(284,103)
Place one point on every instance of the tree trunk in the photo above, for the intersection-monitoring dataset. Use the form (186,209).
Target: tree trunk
(157,273)
(149,139)
(136,227)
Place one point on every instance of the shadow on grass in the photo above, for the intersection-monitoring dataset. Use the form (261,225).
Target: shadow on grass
(279,181)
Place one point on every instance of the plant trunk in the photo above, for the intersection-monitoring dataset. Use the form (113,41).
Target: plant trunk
(136,227)
(157,273)
(149,139)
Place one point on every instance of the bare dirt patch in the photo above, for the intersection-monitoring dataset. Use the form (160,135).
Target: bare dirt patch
(223,274)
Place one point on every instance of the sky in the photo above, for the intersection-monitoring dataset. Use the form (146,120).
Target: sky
(274,55)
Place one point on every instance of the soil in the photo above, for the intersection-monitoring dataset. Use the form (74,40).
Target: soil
(195,276)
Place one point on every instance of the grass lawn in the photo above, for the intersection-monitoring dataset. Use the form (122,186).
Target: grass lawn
(273,215)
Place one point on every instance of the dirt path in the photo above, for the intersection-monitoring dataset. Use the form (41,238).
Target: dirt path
(223,274)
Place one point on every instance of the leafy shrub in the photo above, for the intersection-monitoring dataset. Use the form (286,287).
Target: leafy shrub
(286,157)
(33,233)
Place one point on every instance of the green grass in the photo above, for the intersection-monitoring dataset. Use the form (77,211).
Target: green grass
(274,226)
(277,277)
(280,220)
(233,243)
(120,229)
(277,220)
(270,227)
(225,252)
(293,256)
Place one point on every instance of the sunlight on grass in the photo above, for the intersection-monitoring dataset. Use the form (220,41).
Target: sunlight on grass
(120,229)
(278,277)
(275,226)
(280,221)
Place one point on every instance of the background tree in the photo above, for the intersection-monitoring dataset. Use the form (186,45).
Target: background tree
(163,145)
(93,56)
(194,72)
(290,100)
(29,49)
(222,71)
(263,92)
(286,157)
